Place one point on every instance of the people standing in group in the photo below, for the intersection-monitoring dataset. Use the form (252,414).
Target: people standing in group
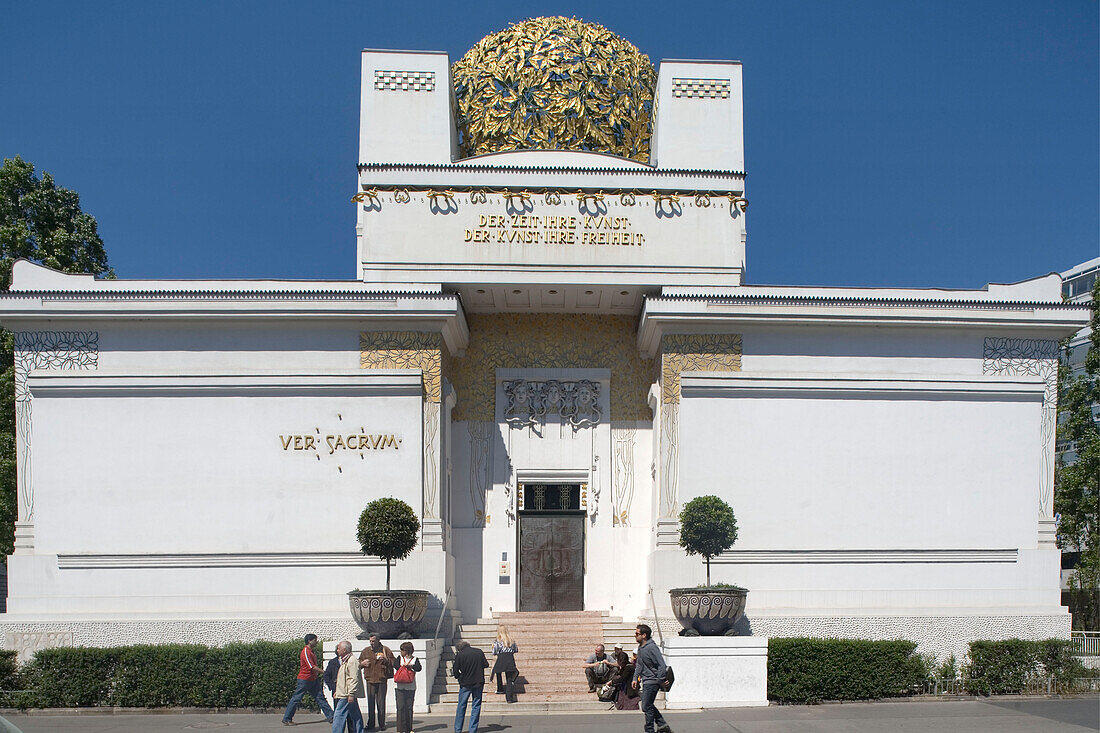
(469,668)
(377,662)
(348,692)
(597,668)
(404,683)
(309,680)
(504,664)
(649,673)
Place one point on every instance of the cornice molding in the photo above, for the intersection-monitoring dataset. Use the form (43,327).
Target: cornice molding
(686,314)
(398,382)
(863,557)
(796,385)
(218,560)
(641,168)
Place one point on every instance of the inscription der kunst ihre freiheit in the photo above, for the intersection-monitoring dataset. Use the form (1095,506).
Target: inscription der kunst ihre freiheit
(527,229)
(330,444)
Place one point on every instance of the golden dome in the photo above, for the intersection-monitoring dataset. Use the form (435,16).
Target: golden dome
(555,84)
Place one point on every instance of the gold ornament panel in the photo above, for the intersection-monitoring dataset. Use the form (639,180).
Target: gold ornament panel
(555,84)
(405,350)
(551,341)
(696,353)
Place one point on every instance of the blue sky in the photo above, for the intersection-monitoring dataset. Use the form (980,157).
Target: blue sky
(924,144)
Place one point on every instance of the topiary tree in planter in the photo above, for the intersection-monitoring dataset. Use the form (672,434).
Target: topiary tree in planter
(707,528)
(388,528)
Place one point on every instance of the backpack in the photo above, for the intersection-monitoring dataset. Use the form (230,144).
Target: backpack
(670,677)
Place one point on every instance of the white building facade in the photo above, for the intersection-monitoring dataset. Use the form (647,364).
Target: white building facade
(546,353)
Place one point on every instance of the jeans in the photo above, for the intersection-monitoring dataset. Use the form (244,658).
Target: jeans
(404,709)
(376,701)
(313,687)
(473,696)
(649,707)
(347,712)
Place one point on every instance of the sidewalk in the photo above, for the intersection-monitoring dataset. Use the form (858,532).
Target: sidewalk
(964,716)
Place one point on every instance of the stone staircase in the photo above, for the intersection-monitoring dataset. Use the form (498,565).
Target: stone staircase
(552,646)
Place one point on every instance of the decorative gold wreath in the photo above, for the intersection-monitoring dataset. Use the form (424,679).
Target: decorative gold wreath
(555,84)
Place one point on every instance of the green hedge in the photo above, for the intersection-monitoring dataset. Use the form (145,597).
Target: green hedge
(804,670)
(1006,667)
(260,674)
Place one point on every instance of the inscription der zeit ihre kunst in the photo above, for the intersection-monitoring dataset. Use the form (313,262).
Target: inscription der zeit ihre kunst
(527,229)
(329,444)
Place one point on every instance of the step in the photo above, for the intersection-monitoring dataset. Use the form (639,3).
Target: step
(533,706)
(452,698)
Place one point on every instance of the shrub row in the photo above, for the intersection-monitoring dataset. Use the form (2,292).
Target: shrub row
(1006,667)
(803,670)
(261,674)
(258,674)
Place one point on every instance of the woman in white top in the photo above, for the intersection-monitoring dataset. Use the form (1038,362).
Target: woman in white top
(405,691)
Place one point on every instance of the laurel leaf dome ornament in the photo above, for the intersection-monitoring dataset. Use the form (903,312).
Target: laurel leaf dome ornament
(555,84)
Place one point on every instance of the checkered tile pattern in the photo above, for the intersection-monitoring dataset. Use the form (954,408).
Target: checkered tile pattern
(701,88)
(405,81)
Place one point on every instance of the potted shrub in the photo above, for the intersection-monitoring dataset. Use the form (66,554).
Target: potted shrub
(388,528)
(708,528)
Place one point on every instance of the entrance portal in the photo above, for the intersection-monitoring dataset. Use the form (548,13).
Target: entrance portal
(551,548)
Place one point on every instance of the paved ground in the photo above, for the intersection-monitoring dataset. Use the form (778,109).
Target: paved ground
(963,716)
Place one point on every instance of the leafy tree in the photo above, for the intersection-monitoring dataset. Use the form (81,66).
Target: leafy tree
(707,528)
(1077,484)
(388,528)
(43,222)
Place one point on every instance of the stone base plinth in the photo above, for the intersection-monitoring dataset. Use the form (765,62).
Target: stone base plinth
(717,671)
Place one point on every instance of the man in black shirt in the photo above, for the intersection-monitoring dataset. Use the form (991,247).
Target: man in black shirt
(469,668)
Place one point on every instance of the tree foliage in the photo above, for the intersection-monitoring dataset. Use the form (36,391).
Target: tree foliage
(707,527)
(42,222)
(388,528)
(1077,484)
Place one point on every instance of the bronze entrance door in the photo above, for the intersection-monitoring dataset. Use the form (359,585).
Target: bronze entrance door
(551,562)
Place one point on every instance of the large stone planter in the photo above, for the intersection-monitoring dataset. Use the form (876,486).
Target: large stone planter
(389,613)
(708,611)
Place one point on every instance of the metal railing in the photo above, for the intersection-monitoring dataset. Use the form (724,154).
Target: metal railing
(1034,686)
(1085,643)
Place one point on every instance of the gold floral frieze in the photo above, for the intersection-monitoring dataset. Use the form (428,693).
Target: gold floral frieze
(551,341)
(708,352)
(405,350)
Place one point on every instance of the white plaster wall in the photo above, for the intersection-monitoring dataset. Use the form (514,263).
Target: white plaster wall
(279,346)
(405,125)
(866,472)
(176,493)
(681,243)
(197,473)
(691,132)
(884,351)
(852,500)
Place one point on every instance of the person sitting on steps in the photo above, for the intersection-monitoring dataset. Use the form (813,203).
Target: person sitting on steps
(598,668)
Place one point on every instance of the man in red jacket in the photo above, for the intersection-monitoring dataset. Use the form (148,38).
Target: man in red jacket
(309,680)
